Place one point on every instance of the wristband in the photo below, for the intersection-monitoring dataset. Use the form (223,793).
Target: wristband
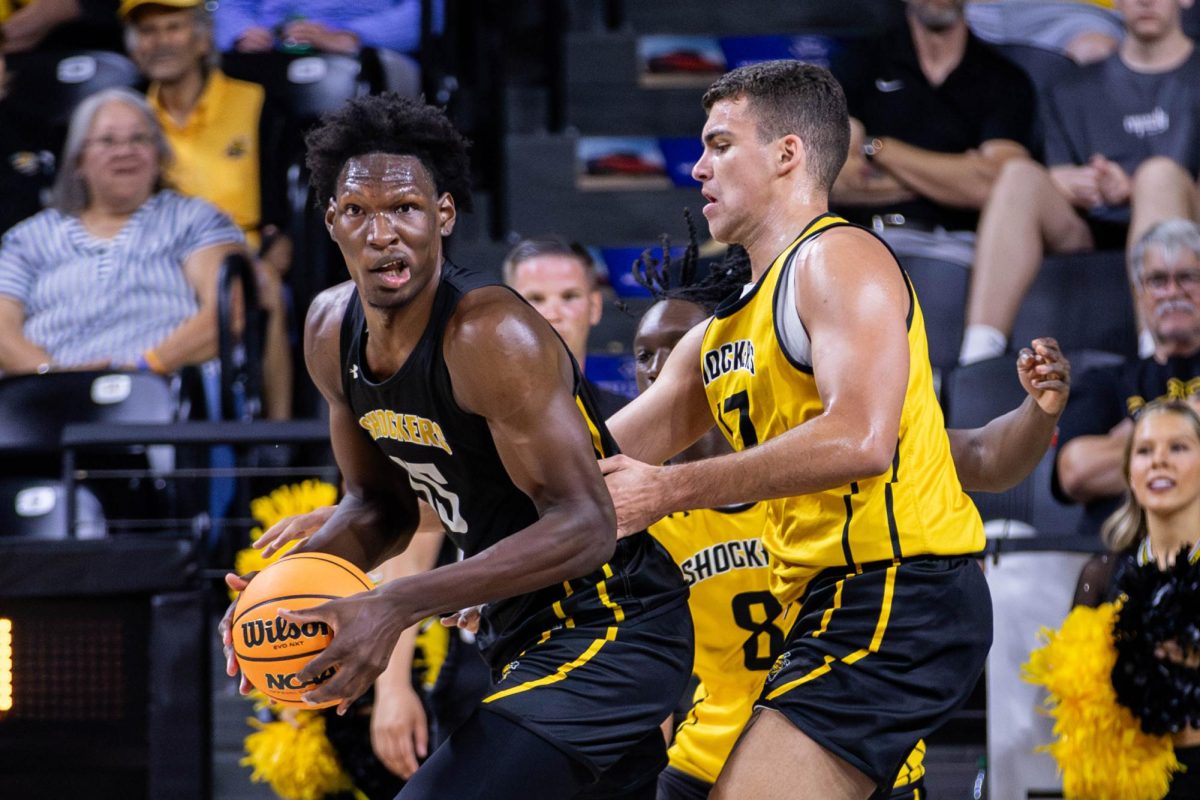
(150,361)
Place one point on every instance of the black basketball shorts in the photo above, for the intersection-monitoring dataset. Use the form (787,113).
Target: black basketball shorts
(878,659)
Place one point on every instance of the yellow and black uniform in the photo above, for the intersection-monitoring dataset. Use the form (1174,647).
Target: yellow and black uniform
(895,623)
(737,622)
(589,667)
(225,151)
(740,628)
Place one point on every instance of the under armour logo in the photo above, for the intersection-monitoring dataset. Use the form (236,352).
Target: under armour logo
(354,371)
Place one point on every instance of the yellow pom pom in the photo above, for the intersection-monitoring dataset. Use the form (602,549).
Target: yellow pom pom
(295,758)
(1099,745)
(285,501)
(296,498)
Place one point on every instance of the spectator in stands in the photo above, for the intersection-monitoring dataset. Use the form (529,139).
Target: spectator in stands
(1098,419)
(26,167)
(1123,148)
(328,26)
(935,114)
(558,278)
(1081,30)
(59,24)
(225,138)
(119,271)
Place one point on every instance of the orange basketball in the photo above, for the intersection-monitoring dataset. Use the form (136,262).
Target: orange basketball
(271,650)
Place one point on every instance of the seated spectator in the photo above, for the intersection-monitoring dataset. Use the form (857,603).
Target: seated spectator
(225,138)
(1123,147)
(26,167)
(327,26)
(59,24)
(1095,427)
(119,272)
(558,279)
(1082,30)
(935,113)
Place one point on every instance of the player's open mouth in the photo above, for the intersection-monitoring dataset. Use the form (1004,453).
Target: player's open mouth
(712,202)
(392,274)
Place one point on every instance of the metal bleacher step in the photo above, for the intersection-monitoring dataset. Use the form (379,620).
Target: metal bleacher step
(604,94)
(754,16)
(544,195)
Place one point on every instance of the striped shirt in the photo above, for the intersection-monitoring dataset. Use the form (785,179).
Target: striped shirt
(88,299)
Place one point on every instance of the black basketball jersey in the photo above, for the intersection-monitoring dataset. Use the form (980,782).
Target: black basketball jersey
(452,463)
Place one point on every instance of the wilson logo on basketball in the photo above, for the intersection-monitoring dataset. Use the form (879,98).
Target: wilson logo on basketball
(257,631)
(288,680)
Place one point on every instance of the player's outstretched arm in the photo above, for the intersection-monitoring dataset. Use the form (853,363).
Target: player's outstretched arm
(853,301)
(1003,452)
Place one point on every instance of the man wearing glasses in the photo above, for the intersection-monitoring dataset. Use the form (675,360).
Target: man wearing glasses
(1165,265)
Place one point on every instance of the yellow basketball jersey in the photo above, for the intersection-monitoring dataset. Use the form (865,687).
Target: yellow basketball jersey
(738,630)
(759,387)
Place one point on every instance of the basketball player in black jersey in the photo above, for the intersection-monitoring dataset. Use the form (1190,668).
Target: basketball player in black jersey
(444,388)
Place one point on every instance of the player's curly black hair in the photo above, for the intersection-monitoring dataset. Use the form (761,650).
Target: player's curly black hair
(389,123)
(721,281)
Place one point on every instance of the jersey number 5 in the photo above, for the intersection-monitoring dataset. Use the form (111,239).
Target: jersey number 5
(756,612)
(740,402)
(428,481)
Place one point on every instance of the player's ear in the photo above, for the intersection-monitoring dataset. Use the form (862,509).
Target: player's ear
(595,307)
(447,213)
(330,210)
(790,154)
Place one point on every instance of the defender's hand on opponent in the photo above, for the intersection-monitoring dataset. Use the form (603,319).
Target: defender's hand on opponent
(1046,374)
(632,486)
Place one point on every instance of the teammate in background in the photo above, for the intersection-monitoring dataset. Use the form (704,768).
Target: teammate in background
(819,377)
(443,387)
(558,278)
(738,622)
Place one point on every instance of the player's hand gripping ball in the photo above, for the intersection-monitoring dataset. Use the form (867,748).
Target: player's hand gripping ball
(271,650)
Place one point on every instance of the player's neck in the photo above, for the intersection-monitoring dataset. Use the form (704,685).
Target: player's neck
(780,226)
(393,333)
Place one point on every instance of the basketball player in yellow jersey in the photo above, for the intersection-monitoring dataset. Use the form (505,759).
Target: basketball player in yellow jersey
(739,625)
(819,376)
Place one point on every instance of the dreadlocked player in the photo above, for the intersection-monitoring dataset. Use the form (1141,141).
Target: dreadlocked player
(740,626)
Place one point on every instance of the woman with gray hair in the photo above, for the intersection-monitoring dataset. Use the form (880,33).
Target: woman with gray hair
(120,271)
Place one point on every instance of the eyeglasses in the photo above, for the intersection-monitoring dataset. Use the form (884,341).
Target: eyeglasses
(1186,280)
(138,140)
